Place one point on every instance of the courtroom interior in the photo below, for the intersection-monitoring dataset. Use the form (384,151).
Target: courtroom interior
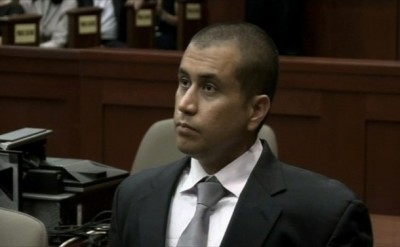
(79,97)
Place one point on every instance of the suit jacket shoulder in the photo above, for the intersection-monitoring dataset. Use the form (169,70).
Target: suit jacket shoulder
(283,205)
(280,205)
(141,206)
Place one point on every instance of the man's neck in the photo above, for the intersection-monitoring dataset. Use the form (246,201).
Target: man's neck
(213,163)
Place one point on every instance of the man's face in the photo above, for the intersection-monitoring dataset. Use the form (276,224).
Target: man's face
(211,113)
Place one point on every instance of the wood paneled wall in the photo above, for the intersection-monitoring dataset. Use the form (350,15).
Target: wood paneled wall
(367,29)
(338,117)
(352,28)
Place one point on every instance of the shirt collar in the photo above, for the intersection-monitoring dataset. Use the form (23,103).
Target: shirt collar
(233,176)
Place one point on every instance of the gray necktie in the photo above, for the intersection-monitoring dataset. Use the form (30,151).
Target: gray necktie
(196,233)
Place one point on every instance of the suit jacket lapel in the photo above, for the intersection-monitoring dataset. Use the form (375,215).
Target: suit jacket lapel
(154,207)
(255,214)
(256,211)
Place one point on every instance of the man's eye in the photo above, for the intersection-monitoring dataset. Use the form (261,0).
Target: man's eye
(185,83)
(209,88)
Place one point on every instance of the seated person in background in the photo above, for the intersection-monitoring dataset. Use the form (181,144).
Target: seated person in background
(113,21)
(137,4)
(8,7)
(54,21)
(167,21)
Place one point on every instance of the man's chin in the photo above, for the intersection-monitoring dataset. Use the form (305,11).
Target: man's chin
(188,150)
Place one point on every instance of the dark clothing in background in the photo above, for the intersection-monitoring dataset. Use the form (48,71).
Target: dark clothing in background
(10,9)
(166,34)
(281,20)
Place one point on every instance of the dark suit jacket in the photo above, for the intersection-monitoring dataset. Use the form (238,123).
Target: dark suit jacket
(281,205)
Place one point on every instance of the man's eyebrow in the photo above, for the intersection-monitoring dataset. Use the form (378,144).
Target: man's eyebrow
(201,76)
(182,71)
(209,76)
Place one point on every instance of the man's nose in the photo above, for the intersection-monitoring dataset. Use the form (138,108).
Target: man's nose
(187,103)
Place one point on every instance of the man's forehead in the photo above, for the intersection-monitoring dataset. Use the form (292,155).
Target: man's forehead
(215,53)
(213,44)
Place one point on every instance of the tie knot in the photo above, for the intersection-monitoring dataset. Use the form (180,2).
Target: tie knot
(209,192)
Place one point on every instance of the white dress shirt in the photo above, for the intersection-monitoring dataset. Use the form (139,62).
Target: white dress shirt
(53,21)
(183,205)
(108,20)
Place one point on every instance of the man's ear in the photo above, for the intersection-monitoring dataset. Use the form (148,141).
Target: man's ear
(260,105)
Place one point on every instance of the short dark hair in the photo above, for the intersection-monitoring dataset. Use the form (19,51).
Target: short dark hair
(258,70)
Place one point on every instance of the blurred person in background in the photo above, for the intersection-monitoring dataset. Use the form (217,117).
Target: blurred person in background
(167,21)
(8,7)
(113,21)
(54,21)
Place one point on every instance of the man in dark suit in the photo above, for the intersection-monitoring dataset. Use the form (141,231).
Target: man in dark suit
(226,82)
